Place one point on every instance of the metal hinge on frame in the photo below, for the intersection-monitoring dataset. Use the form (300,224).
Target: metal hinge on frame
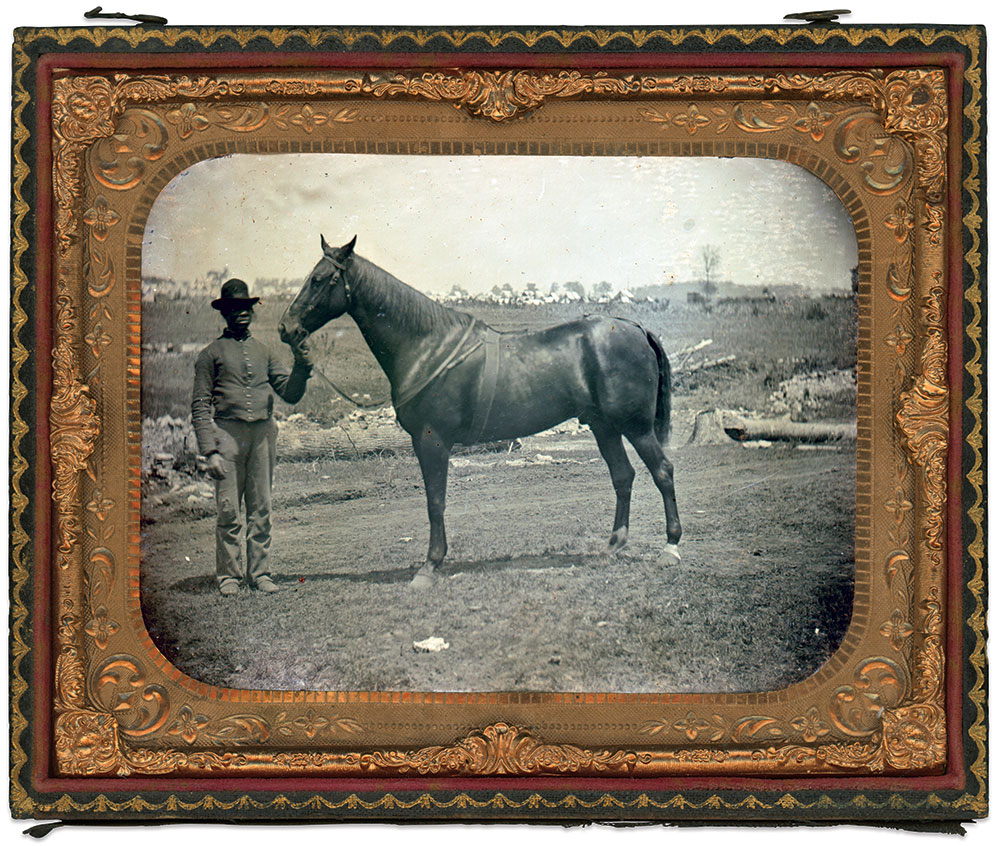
(97,13)
(830,16)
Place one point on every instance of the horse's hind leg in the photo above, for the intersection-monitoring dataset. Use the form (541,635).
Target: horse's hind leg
(651,453)
(433,454)
(609,442)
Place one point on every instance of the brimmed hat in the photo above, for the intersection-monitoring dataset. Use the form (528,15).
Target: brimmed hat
(235,294)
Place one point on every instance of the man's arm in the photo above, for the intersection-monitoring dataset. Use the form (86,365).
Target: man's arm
(202,406)
(290,386)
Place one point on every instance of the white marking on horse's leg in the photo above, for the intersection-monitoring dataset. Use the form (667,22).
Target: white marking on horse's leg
(673,552)
(424,577)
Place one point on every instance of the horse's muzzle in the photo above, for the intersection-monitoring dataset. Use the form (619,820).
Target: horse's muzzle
(291,331)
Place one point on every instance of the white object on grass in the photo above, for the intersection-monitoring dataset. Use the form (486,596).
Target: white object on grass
(431,644)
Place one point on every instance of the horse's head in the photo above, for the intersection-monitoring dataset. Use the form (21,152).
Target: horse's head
(324,296)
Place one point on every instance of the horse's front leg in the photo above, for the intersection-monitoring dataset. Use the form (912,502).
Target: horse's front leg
(433,453)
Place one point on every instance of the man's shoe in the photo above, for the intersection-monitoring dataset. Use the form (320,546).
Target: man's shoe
(265,585)
(230,587)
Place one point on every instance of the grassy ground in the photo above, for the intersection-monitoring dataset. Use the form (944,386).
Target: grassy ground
(526,600)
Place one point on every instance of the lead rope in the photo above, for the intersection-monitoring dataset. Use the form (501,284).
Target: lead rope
(341,393)
(351,400)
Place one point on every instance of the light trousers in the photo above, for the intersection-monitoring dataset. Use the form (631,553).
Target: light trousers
(249,453)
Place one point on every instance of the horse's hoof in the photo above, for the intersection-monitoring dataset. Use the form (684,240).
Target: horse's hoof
(617,541)
(423,579)
(671,555)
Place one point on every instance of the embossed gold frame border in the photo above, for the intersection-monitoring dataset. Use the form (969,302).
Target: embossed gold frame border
(878,127)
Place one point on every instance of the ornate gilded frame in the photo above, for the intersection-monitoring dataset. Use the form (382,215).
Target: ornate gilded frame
(103,726)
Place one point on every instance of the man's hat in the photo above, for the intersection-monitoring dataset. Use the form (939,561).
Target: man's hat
(235,294)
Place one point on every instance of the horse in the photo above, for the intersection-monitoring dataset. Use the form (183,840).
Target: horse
(456,380)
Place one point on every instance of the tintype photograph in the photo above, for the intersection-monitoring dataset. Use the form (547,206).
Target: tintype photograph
(463,424)
(550,356)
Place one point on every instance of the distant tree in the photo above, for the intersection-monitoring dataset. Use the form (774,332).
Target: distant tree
(711,258)
(602,289)
(815,311)
(497,292)
(854,280)
(577,288)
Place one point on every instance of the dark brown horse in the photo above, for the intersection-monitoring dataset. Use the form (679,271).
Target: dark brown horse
(457,381)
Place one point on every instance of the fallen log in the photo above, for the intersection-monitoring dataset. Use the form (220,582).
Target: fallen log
(309,442)
(681,357)
(706,365)
(784,429)
(718,426)
(298,442)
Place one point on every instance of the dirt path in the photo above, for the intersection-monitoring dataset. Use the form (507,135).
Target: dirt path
(526,599)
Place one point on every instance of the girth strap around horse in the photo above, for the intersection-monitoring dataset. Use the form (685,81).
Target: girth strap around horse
(461,350)
(489,340)
(487,385)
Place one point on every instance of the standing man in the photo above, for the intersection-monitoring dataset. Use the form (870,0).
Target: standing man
(231,411)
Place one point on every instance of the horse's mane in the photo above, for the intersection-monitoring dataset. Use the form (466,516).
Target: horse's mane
(407,305)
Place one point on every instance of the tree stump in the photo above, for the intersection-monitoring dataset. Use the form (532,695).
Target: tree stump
(709,429)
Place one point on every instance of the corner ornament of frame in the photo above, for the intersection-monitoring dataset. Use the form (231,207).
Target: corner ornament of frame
(87,109)
(911,737)
(911,103)
(90,743)
(93,738)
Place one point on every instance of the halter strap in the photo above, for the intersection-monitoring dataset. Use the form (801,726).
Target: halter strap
(343,276)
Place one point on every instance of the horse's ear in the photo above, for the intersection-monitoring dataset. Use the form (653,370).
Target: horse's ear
(324,245)
(347,249)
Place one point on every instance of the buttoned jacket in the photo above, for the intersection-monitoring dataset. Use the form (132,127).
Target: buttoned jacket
(233,379)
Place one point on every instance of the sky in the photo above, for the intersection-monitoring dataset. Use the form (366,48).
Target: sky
(482,221)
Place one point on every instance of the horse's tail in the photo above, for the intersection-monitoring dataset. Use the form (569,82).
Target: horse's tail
(661,423)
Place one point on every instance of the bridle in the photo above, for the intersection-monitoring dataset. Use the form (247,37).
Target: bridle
(339,275)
